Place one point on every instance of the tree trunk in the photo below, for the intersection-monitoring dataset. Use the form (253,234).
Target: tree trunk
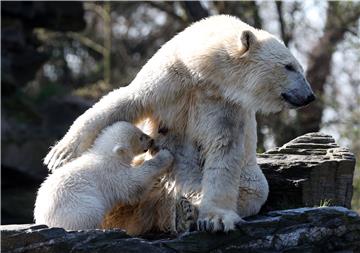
(107,42)
(247,11)
(194,10)
(309,118)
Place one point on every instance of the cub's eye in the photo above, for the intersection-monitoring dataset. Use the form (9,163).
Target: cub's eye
(142,137)
(289,67)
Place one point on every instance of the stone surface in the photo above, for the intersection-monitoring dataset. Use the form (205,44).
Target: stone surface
(311,170)
(23,147)
(325,229)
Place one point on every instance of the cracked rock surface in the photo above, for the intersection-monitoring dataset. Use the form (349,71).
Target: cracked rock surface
(311,170)
(323,229)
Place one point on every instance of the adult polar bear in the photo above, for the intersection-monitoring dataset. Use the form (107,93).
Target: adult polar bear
(215,70)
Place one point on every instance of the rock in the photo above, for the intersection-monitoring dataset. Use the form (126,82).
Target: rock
(325,229)
(24,145)
(18,191)
(311,170)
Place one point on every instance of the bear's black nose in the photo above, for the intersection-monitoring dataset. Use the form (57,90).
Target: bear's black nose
(296,100)
(310,98)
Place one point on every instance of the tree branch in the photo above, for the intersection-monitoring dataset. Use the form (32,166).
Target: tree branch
(167,9)
(282,22)
(87,42)
(195,10)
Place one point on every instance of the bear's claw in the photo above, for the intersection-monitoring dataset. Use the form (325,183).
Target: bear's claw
(222,220)
(58,155)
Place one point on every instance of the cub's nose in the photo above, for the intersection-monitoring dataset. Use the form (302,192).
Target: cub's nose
(151,143)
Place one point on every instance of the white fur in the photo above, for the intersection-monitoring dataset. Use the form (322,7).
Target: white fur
(78,195)
(217,70)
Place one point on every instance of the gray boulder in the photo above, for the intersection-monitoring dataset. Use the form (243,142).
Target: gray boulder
(311,170)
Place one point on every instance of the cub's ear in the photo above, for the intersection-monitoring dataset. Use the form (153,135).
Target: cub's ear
(248,39)
(120,149)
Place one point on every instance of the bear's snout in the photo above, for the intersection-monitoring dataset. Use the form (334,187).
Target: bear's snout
(310,98)
(298,92)
(298,101)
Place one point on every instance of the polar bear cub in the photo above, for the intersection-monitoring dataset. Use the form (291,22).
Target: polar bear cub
(78,195)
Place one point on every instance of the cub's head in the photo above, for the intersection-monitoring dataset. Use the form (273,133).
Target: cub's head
(252,67)
(123,139)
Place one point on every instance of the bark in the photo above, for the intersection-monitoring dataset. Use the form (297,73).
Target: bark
(283,30)
(247,11)
(194,10)
(107,42)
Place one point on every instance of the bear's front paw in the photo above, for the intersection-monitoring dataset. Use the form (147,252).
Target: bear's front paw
(164,158)
(63,152)
(216,219)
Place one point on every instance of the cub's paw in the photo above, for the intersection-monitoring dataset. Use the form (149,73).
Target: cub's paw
(166,140)
(217,219)
(163,158)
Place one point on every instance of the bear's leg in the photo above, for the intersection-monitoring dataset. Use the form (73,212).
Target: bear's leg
(253,191)
(223,144)
(253,185)
(118,105)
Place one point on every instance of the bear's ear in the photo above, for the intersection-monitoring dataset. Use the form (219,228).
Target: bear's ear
(120,149)
(248,39)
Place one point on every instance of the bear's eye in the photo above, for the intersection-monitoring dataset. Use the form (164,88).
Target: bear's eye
(289,67)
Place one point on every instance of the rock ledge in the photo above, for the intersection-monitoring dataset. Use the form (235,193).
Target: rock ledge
(311,170)
(323,229)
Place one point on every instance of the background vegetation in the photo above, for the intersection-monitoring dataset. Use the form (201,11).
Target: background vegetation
(59,58)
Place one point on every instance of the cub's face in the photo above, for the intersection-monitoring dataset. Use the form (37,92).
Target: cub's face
(140,143)
(130,140)
(267,76)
